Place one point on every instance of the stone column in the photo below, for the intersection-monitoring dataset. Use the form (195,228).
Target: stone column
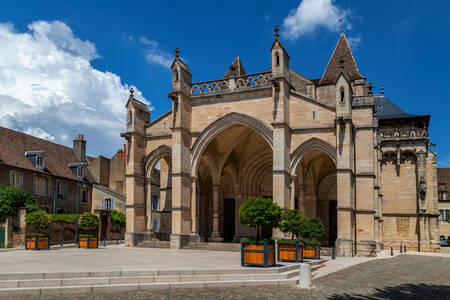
(292,205)
(148,181)
(215,235)
(302,198)
(194,207)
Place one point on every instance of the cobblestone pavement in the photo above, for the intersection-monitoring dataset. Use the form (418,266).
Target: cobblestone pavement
(401,277)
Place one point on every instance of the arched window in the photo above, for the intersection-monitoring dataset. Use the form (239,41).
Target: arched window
(277,58)
(342,94)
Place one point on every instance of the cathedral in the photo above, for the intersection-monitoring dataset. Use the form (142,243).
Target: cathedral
(327,146)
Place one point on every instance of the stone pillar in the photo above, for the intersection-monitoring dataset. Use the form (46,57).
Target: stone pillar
(302,198)
(344,168)
(215,235)
(138,115)
(181,145)
(281,126)
(292,205)
(149,203)
(194,207)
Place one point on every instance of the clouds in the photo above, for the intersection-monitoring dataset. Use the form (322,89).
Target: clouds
(49,89)
(155,55)
(312,14)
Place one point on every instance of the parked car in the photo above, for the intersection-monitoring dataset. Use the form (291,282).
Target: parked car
(443,241)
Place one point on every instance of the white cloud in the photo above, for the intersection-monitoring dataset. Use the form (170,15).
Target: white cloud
(155,55)
(48,88)
(311,14)
(354,42)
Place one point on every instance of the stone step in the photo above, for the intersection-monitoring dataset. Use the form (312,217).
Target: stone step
(28,283)
(94,288)
(154,244)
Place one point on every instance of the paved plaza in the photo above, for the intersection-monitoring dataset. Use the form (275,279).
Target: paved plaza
(401,277)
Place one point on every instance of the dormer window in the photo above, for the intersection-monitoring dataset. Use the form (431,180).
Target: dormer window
(129,117)
(342,94)
(80,172)
(37,158)
(78,169)
(277,59)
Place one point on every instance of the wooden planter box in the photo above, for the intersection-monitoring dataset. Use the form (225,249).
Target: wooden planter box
(37,242)
(88,242)
(258,255)
(289,252)
(311,251)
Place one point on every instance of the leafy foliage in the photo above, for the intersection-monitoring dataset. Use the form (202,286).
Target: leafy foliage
(259,212)
(89,221)
(38,220)
(87,235)
(70,218)
(291,221)
(311,228)
(35,234)
(118,218)
(11,199)
(246,240)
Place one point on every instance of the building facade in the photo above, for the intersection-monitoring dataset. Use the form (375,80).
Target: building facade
(326,146)
(53,173)
(443,176)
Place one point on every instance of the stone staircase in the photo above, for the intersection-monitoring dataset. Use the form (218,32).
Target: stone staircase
(154,244)
(42,284)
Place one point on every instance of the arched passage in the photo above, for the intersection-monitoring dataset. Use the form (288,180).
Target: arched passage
(231,161)
(158,173)
(315,188)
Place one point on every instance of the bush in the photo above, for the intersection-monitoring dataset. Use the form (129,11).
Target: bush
(259,212)
(89,221)
(291,221)
(70,218)
(311,228)
(11,199)
(87,235)
(118,218)
(38,220)
(255,241)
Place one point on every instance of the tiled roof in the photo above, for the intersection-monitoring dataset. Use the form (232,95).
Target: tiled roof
(342,55)
(236,69)
(14,144)
(443,176)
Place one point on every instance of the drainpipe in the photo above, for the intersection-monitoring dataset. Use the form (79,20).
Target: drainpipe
(54,195)
(354,186)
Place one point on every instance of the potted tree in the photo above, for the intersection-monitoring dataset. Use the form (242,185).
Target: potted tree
(37,221)
(290,249)
(258,213)
(310,230)
(90,224)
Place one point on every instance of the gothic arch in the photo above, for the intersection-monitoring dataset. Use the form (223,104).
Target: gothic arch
(309,145)
(213,129)
(153,157)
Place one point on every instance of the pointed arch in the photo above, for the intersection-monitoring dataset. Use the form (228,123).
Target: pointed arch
(309,145)
(154,157)
(213,129)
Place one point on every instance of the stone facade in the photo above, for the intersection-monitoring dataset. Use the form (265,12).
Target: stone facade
(443,176)
(326,146)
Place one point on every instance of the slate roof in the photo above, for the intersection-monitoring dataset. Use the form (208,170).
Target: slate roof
(386,109)
(14,144)
(341,55)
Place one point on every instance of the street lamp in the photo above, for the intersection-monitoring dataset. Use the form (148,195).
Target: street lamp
(78,169)
(83,186)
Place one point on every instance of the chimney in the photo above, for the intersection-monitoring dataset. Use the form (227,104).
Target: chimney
(122,154)
(79,147)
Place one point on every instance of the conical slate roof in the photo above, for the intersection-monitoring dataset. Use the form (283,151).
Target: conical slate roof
(342,57)
(236,69)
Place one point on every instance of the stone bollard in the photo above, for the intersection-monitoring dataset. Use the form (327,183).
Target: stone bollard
(392,252)
(401,249)
(404,249)
(333,253)
(304,280)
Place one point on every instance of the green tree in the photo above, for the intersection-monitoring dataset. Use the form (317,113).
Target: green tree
(38,220)
(118,217)
(259,212)
(311,228)
(11,199)
(89,221)
(291,220)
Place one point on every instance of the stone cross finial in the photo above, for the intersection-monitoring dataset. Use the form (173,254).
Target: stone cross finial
(341,26)
(131,92)
(277,30)
(177,52)
(382,90)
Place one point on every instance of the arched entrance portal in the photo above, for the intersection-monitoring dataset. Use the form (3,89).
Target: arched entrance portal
(234,165)
(316,190)
(158,170)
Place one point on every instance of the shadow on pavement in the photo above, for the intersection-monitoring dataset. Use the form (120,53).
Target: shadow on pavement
(404,291)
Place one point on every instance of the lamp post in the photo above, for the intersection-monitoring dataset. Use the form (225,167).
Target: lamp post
(83,186)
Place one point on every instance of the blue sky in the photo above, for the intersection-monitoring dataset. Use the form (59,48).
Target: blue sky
(107,46)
